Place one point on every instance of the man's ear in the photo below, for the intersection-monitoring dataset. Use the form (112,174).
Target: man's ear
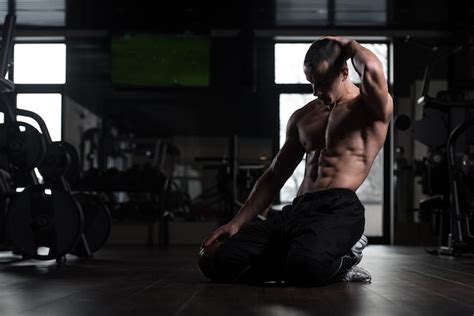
(344,72)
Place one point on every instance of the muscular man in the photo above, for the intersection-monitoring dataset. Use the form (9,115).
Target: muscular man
(312,241)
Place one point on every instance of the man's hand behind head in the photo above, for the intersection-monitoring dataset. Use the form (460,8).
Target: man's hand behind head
(346,44)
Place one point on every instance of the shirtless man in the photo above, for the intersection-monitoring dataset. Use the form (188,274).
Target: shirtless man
(312,241)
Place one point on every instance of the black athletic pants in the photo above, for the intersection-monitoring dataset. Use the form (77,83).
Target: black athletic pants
(308,242)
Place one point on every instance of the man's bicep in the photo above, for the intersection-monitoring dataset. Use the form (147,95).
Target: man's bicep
(374,89)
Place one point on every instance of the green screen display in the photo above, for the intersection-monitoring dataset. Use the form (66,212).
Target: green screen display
(166,61)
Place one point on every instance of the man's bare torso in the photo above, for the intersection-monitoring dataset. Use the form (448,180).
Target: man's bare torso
(340,144)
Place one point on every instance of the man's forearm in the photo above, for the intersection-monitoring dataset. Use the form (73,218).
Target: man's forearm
(373,85)
(362,58)
(262,195)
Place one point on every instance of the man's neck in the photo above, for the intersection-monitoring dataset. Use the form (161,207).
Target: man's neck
(350,92)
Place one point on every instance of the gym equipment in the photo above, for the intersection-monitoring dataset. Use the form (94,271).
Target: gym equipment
(95,218)
(148,210)
(461,239)
(56,162)
(402,122)
(137,175)
(235,180)
(447,171)
(22,146)
(43,223)
(468,162)
(71,173)
(97,222)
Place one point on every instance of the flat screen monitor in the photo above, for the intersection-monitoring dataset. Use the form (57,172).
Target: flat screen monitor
(160,61)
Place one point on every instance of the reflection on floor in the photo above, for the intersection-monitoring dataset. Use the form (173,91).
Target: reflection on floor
(141,281)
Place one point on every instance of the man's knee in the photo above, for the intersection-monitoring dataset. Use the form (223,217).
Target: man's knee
(220,262)
(206,259)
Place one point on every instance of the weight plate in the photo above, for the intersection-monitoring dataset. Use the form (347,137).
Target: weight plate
(22,147)
(43,223)
(74,167)
(55,162)
(97,222)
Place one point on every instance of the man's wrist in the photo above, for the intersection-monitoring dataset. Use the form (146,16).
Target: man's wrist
(350,49)
(237,222)
(245,215)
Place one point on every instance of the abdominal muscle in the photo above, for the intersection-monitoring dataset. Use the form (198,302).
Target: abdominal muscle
(347,169)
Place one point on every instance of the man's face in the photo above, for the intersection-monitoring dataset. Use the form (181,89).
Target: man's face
(326,82)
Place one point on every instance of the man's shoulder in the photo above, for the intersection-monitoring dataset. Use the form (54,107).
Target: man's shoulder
(308,107)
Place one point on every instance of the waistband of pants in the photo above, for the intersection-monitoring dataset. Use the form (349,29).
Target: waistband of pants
(311,196)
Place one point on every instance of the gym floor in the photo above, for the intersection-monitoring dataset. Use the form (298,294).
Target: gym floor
(129,280)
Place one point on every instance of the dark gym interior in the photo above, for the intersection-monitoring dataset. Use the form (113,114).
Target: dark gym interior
(153,121)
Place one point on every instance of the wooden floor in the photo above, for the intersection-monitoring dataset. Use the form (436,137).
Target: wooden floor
(131,281)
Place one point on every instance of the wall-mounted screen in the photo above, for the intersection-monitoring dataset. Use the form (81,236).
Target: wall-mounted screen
(160,61)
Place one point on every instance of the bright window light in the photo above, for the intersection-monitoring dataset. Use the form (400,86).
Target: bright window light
(289,103)
(40,63)
(46,105)
(289,60)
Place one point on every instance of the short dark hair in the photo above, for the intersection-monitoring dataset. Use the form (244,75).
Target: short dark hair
(324,50)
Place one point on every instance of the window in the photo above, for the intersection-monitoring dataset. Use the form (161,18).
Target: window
(289,103)
(40,63)
(330,12)
(362,12)
(46,105)
(302,12)
(38,66)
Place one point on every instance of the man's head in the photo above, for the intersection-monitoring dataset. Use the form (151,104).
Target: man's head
(326,69)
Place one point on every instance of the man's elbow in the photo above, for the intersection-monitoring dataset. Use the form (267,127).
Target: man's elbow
(382,110)
(276,176)
(377,98)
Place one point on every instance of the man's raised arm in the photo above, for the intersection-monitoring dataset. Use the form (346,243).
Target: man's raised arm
(373,86)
